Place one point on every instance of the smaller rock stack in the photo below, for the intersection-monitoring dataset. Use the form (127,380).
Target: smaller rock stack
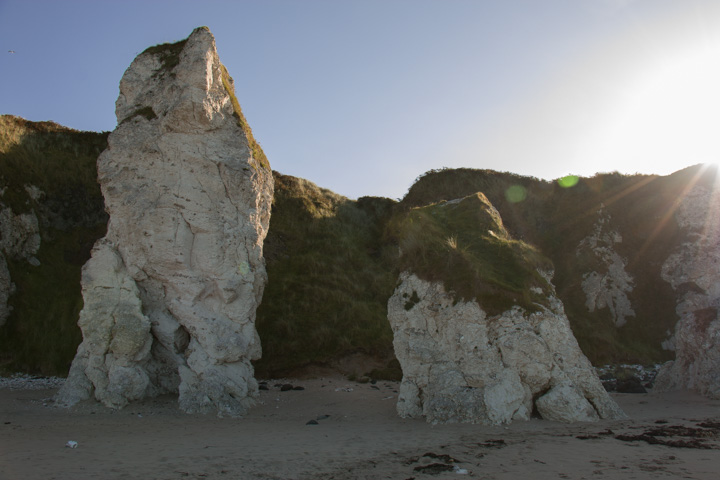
(462,365)
(463,362)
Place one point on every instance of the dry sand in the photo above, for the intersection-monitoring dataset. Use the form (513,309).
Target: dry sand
(362,438)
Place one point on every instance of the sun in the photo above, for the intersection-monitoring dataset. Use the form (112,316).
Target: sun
(666,118)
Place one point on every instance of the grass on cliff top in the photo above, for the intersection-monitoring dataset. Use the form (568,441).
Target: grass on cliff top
(41,334)
(255,148)
(447,184)
(518,199)
(464,245)
(328,279)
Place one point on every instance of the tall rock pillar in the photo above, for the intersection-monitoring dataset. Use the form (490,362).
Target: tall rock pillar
(171,291)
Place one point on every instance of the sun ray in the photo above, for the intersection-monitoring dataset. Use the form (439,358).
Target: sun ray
(662,224)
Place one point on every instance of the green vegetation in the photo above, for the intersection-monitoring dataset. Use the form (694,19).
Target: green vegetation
(58,160)
(41,334)
(524,211)
(411,301)
(328,279)
(257,151)
(636,205)
(464,245)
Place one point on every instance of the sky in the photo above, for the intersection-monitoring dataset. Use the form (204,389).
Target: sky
(362,97)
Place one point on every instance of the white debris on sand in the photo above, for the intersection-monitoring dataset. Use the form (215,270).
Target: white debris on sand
(22,381)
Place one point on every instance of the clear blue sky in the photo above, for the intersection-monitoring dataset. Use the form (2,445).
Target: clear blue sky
(361,97)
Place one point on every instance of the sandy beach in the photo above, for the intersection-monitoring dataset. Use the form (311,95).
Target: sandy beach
(354,433)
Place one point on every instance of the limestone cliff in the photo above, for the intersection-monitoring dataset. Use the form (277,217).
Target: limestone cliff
(494,356)
(693,270)
(171,291)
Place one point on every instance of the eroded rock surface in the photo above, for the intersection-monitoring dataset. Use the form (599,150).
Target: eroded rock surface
(171,291)
(462,365)
(608,286)
(694,273)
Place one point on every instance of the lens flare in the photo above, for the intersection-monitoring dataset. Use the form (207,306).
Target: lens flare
(568,181)
(515,194)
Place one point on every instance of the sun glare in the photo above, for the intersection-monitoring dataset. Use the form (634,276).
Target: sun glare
(667,119)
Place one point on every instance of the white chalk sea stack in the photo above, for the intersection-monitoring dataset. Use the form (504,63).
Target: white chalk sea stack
(478,329)
(462,365)
(170,293)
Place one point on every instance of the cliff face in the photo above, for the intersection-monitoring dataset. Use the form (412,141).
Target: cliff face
(171,291)
(51,212)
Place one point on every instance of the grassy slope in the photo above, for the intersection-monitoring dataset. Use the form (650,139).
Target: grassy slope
(465,245)
(328,279)
(526,217)
(41,334)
